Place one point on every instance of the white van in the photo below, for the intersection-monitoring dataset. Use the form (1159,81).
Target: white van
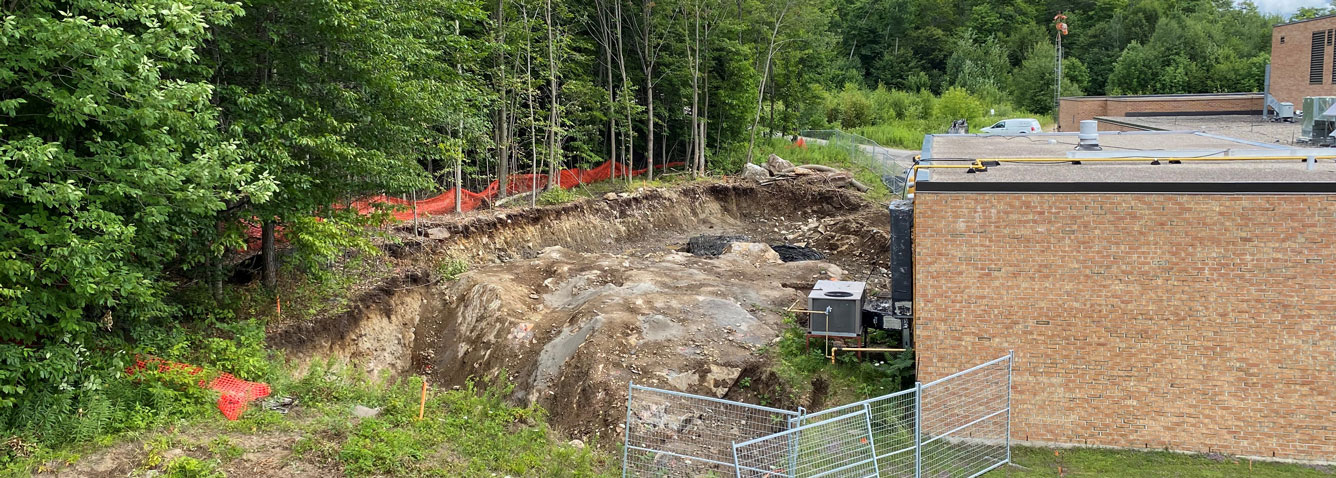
(1014,126)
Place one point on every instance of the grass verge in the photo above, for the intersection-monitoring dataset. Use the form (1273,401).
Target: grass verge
(1092,462)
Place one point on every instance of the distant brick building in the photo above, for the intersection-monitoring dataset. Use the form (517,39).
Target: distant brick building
(1073,110)
(1302,55)
(1183,306)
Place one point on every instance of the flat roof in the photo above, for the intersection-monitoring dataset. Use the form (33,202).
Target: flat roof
(1094,175)
(1244,127)
(1057,145)
(1184,96)
(1306,20)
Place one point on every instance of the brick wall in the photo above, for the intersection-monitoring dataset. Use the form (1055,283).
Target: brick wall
(1076,109)
(1291,61)
(1190,322)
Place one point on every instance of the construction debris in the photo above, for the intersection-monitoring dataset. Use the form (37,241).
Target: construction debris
(711,246)
(790,253)
(778,169)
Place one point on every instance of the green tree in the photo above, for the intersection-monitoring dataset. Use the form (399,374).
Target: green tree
(1032,81)
(111,174)
(976,65)
(338,99)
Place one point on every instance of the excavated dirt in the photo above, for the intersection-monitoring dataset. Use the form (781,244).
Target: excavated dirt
(571,302)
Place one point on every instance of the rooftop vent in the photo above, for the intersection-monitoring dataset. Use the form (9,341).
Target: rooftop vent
(1089,137)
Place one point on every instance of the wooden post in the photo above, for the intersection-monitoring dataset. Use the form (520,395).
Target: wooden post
(422,405)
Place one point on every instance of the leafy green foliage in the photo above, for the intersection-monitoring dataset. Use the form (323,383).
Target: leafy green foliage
(556,196)
(1032,82)
(112,403)
(450,268)
(110,169)
(187,467)
(800,362)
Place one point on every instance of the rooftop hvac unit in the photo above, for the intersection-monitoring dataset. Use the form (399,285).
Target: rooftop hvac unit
(1318,123)
(845,303)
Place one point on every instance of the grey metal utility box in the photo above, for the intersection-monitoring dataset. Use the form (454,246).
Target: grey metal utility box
(845,300)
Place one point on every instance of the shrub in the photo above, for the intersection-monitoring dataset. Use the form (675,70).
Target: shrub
(956,103)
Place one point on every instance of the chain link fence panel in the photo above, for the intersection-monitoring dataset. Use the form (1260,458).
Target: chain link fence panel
(893,167)
(956,427)
(965,421)
(840,447)
(672,434)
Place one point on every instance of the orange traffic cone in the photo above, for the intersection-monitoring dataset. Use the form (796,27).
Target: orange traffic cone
(801,143)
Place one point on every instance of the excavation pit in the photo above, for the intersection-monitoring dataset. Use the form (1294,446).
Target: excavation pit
(571,302)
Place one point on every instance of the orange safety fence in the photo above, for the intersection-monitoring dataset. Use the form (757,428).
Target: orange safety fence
(444,203)
(235,394)
(518,184)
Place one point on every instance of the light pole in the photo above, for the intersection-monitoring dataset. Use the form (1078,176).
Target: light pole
(1061,27)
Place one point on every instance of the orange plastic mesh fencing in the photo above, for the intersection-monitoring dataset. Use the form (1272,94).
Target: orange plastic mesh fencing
(444,203)
(235,394)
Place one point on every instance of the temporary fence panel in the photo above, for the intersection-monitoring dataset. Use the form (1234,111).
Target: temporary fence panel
(892,423)
(956,427)
(677,434)
(965,421)
(839,447)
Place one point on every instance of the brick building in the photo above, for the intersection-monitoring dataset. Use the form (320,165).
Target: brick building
(1105,109)
(1184,306)
(1302,55)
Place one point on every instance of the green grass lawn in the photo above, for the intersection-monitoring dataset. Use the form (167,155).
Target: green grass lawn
(1088,462)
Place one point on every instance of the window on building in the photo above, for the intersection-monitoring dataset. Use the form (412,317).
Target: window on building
(1317,59)
(1329,35)
(1282,40)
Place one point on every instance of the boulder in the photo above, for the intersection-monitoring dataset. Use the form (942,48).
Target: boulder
(751,252)
(754,172)
(776,165)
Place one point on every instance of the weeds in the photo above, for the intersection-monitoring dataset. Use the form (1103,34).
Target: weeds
(800,364)
(187,467)
(471,431)
(451,268)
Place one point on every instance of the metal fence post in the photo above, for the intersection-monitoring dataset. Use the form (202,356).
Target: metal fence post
(1011,359)
(626,442)
(793,444)
(871,441)
(918,429)
(737,465)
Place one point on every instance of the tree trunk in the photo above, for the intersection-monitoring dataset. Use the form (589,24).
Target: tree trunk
(554,178)
(765,75)
(649,133)
(533,121)
(698,156)
(626,97)
(268,254)
(459,153)
(612,96)
(503,136)
(219,268)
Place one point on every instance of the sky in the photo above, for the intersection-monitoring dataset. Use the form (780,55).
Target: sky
(1287,7)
